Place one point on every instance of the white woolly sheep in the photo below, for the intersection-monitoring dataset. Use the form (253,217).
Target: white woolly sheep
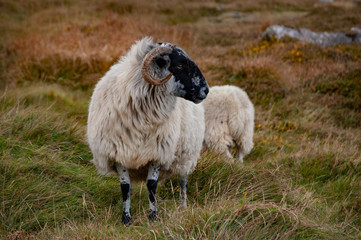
(140,124)
(229,116)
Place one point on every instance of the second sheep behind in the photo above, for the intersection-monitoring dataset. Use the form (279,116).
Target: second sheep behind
(229,117)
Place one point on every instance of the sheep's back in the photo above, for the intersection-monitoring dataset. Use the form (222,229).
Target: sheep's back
(227,108)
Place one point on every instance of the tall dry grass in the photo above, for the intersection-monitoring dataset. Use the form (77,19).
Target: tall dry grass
(301,181)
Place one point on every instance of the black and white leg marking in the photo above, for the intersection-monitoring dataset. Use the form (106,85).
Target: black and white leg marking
(125,185)
(183,183)
(152,182)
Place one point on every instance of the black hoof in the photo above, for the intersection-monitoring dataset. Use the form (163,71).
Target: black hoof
(126,219)
(153,216)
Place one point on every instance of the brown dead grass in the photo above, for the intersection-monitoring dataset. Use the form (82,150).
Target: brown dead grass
(86,46)
(69,45)
(105,40)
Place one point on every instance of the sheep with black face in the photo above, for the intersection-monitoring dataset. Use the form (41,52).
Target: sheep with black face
(143,122)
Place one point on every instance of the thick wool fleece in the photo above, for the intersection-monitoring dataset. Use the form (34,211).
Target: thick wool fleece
(134,123)
(229,116)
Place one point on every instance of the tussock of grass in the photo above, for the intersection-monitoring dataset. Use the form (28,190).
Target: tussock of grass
(74,73)
(346,85)
(261,83)
(346,93)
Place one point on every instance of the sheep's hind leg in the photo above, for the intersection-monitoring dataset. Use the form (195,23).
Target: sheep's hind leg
(183,182)
(223,148)
(152,182)
(125,186)
(239,154)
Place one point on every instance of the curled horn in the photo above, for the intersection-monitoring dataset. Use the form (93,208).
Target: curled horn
(148,59)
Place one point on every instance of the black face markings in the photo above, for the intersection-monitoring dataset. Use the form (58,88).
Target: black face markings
(187,75)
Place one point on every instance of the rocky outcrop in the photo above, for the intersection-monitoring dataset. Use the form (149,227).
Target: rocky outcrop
(320,38)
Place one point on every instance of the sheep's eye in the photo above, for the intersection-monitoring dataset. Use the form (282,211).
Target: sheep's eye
(179,67)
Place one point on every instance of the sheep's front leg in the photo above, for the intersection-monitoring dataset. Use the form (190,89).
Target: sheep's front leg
(183,183)
(125,186)
(152,182)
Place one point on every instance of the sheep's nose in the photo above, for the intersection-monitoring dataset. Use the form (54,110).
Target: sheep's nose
(203,93)
(206,91)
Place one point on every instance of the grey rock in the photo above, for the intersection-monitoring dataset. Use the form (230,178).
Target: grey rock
(356,30)
(320,38)
(357,37)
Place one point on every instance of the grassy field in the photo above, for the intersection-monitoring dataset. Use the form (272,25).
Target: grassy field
(301,181)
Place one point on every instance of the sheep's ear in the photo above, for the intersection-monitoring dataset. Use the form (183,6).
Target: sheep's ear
(161,61)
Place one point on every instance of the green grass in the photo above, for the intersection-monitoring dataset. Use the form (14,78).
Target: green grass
(346,91)
(261,83)
(302,179)
(49,184)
